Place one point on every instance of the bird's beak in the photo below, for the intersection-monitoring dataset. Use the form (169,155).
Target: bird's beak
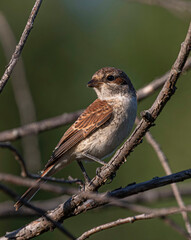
(93,83)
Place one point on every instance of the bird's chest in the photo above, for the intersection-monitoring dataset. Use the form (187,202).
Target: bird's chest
(106,139)
(110,135)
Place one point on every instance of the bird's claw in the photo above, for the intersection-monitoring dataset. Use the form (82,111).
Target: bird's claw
(113,175)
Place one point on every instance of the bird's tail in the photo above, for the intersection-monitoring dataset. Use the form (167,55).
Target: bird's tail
(29,194)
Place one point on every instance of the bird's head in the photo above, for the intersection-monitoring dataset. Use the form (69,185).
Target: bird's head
(110,82)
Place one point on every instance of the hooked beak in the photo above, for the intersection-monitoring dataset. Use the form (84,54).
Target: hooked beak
(93,83)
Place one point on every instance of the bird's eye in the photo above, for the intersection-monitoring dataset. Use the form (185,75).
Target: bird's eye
(110,78)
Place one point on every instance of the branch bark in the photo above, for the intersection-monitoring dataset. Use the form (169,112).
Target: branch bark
(148,197)
(145,216)
(171,5)
(37,127)
(21,92)
(20,45)
(39,211)
(164,162)
(67,209)
(67,118)
(64,211)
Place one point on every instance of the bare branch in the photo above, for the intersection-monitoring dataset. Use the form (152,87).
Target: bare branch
(29,182)
(104,198)
(159,195)
(132,189)
(67,118)
(145,216)
(150,88)
(20,45)
(164,162)
(70,180)
(21,92)
(18,157)
(67,209)
(172,5)
(148,118)
(39,211)
(7,209)
(175,226)
(25,173)
(153,196)
(37,127)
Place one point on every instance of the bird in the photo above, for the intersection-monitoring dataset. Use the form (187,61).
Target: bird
(98,131)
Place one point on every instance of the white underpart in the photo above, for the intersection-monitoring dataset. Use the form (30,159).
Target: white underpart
(108,137)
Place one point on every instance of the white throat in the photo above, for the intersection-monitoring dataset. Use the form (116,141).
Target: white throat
(107,94)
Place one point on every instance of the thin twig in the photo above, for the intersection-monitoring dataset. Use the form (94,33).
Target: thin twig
(150,88)
(20,45)
(104,198)
(22,95)
(149,117)
(70,180)
(148,197)
(37,127)
(29,182)
(67,209)
(67,118)
(64,209)
(171,5)
(145,216)
(7,209)
(18,157)
(159,195)
(39,211)
(132,189)
(175,226)
(164,162)
(25,173)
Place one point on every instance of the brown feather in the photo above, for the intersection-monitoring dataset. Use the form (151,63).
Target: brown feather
(91,119)
(32,190)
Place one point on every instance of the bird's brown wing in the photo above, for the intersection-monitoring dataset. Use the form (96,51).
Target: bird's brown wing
(91,119)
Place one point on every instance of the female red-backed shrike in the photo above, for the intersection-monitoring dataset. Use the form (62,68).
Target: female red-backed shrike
(99,129)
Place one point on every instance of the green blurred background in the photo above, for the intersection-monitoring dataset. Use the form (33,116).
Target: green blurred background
(72,39)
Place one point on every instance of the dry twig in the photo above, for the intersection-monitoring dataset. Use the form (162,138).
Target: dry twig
(145,216)
(18,157)
(68,208)
(171,5)
(64,209)
(164,162)
(39,211)
(153,196)
(67,118)
(29,182)
(20,45)
(150,88)
(25,173)
(37,127)
(22,94)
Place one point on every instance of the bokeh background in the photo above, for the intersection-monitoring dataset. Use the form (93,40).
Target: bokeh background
(72,39)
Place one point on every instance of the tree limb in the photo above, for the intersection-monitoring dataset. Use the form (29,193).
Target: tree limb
(164,162)
(37,127)
(39,211)
(145,216)
(63,211)
(67,118)
(20,45)
(67,209)
(21,92)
